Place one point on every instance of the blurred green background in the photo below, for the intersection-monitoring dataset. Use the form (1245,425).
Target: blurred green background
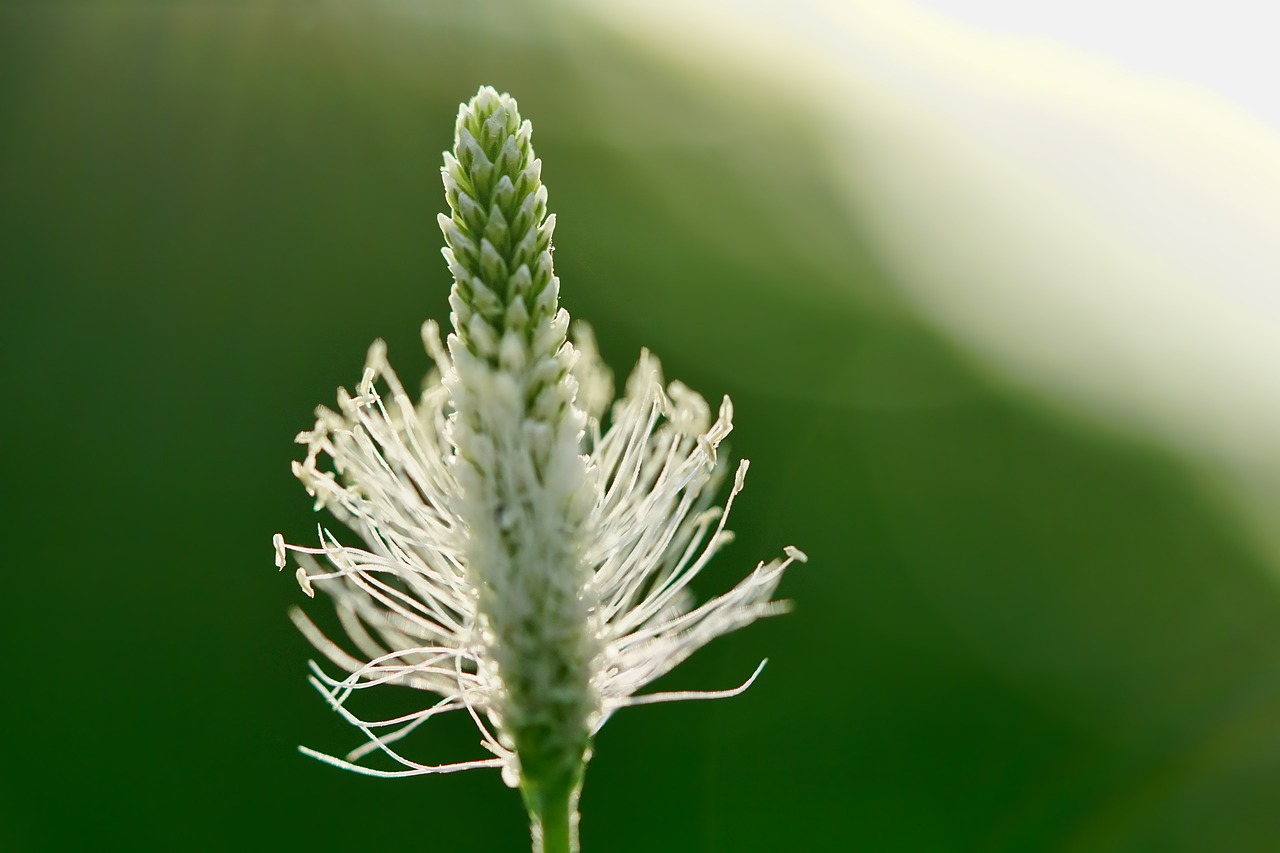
(1016,631)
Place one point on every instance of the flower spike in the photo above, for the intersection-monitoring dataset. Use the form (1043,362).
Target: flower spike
(526,551)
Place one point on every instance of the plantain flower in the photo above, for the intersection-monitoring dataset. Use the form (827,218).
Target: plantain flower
(526,543)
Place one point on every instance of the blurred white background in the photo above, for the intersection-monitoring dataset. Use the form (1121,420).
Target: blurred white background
(1227,46)
(1084,196)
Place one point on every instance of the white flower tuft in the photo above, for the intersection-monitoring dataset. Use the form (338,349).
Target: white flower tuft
(525,557)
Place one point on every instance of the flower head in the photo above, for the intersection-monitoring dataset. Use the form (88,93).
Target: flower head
(525,556)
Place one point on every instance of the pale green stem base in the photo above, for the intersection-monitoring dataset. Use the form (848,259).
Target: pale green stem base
(553,820)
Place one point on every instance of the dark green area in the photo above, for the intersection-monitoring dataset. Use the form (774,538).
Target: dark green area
(1014,634)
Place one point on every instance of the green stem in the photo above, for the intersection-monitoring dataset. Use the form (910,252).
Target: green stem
(553,816)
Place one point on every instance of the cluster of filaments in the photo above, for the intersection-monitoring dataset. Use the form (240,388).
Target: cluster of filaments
(520,562)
